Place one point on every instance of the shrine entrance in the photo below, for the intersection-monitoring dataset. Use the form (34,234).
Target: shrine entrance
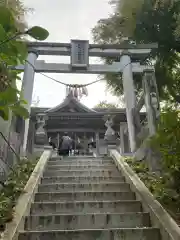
(85,126)
(127,60)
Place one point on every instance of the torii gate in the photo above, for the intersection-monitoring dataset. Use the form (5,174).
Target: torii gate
(80,51)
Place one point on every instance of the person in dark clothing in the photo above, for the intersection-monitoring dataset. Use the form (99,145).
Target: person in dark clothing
(51,143)
(65,145)
(92,144)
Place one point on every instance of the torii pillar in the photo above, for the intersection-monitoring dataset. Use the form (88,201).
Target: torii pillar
(130,97)
(27,91)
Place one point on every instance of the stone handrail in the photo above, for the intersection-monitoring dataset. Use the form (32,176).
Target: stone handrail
(23,205)
(159,216)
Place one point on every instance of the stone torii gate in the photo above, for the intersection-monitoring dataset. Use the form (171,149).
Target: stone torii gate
(129,57)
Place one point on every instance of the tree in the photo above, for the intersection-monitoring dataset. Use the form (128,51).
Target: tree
(105,104)
(13,52)
(18,10)
(146,22)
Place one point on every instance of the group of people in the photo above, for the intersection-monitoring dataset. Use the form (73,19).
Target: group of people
(67,145)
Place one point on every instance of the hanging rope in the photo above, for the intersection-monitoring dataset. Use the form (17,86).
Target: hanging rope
(75,90)
(66,84)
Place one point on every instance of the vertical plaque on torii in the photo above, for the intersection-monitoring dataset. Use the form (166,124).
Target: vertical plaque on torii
(79,54)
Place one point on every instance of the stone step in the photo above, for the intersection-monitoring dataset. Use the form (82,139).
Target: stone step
(81,180)
(94,162)
(74,158)
(98,234)
(82,162)
(81,167)
(84,187)
(83,173)
(87,221)
(86,207)
(52,187)
(79,158)
(83,196)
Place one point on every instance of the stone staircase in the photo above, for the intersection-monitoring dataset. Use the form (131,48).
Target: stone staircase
(86,199)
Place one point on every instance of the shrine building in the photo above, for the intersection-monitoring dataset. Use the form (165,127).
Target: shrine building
(78,121)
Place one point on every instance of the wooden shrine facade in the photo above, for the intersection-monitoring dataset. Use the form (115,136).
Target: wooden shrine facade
(75,118)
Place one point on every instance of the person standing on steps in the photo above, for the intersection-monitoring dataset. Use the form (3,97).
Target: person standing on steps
(65,145)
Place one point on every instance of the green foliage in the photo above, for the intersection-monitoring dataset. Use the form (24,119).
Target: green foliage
(9,101)
(12,189)
(38,33)
(167,142)
(13,52)
(146,22)
(150,179)
(160,186)
(18,11)
(105,104)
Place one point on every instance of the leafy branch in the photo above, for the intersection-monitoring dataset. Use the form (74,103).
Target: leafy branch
(145,22)
(13,52)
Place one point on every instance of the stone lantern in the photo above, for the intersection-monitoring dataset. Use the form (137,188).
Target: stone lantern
(110,136)
(40,134)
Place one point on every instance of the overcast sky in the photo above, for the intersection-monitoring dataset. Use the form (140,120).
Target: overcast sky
(66,20)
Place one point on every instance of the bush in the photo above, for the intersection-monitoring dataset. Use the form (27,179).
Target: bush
(160,187)
(167,142)
(12,189)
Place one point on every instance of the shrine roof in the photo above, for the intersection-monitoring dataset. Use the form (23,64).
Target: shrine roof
(97,111)
(71,105)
